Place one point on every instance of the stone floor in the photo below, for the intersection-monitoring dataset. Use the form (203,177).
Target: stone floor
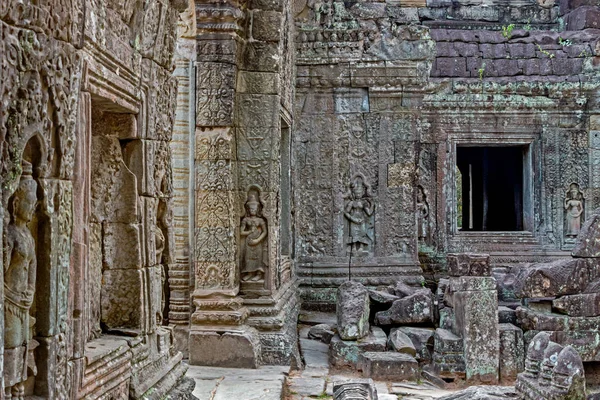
(265,383)
(316,381)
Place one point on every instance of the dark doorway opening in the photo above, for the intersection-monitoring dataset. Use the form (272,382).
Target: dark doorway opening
(492,187)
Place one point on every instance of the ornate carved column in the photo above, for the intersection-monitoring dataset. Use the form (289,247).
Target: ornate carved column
(218,334)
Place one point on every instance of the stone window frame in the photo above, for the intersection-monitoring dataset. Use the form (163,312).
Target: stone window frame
(493,139)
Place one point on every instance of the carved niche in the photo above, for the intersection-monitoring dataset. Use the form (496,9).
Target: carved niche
(20,267)
(254,246)
(422,215)
(574,207)
(359,213)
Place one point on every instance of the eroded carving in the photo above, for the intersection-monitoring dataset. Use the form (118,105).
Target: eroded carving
(359,210)
(19,286)
(254,247)
(573,210)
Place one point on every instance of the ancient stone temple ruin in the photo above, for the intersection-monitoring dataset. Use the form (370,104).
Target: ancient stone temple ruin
(382,198)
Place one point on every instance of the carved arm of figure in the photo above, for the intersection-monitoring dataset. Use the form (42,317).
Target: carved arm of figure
(263,234)
(347,214)
(425,211)
(8,253)
(567,204)
(369,207)
(245,228)
(28,300)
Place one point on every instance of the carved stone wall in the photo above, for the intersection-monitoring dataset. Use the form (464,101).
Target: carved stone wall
(87,113)
(243,88)
(385,93)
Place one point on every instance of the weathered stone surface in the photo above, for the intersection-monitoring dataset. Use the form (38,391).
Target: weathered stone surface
(380,297)
(551,371)
(483,393)
(321,332)
(446,342)
(561,277)
(352,311)
(346,352)
(228,349)
(578,305)
(512,352)
(477,323)
(363,389)
(400,342)
(416,308)
(388,366)
(468,264)
(422,340)
(507,315)
(587,245)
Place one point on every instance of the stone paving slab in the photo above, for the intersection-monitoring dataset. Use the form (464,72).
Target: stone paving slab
(264,383)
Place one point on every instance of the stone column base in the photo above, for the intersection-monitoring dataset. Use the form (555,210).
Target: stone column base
(235,348)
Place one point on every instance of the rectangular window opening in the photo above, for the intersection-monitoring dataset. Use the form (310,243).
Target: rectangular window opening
(491,187)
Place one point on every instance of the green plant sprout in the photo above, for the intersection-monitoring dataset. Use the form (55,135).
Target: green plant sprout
(507,30)
(546,52)
(564,42)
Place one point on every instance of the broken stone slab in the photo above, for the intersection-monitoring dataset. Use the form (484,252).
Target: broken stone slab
(578,305)
(556,278)
(422,340)
(587,244)
(409,285)
(413,309)
(381,297)
(352,310)
(321,332)
(468,264)
(446,342)
(345,353)
(389,366)
(507,315)
(512,352)
(483,393)
(356,389)
(477,323)
(400,342)
(531,320)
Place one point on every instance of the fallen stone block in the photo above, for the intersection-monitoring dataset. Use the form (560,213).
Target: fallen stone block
(321,332)
(512,352)
(400,342)
(507,315)
(413,309)
(557,278)
(345,353)
(579,305)
(352,310)
(383,298)
(422,340)
(389,366)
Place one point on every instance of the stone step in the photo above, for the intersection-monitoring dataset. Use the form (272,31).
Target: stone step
(389,366)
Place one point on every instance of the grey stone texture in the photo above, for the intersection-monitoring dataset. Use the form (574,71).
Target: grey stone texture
(416,308)
(400,342)
(346,353)
(551,371)
(352,311)
(388,366)
(321,332)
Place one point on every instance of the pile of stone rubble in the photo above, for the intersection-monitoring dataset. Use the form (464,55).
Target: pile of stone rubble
(462,334)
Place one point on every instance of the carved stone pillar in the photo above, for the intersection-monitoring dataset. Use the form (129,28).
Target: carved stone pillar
(218,334)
